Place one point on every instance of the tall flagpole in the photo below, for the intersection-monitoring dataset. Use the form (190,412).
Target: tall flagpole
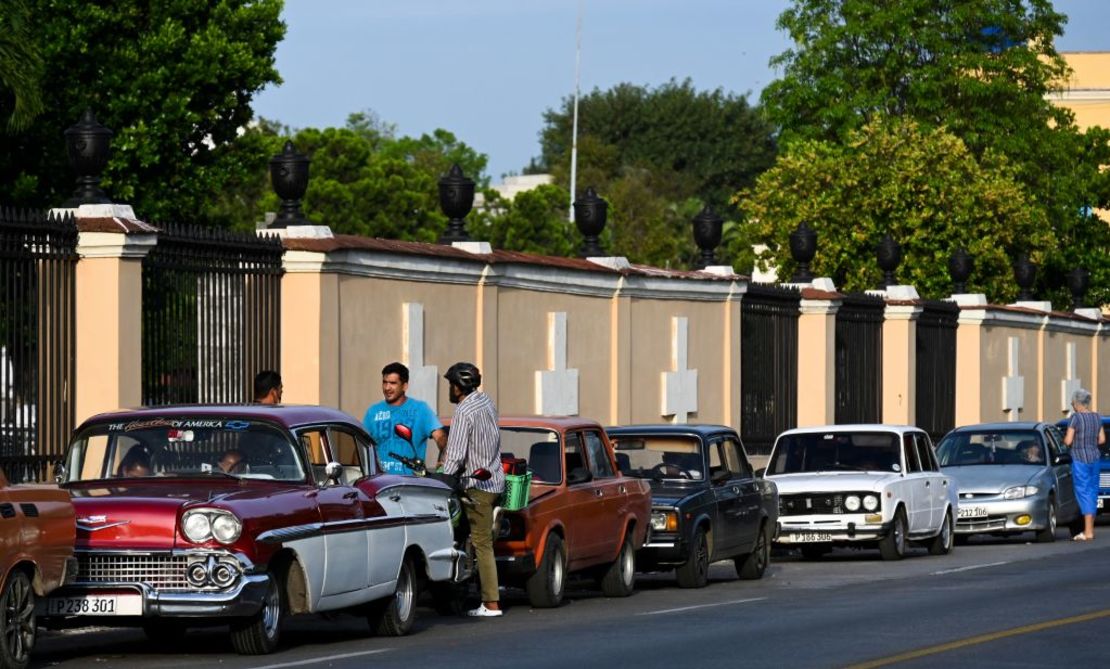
(574,132)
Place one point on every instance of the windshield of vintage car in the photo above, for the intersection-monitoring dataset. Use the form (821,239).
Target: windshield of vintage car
(176,447)
(993,447)
(540,446)
(660,457)
(835,451)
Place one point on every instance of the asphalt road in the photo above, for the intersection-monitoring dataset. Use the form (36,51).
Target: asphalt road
(993,603)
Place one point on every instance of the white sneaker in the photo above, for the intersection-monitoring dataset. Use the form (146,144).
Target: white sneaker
(483,612)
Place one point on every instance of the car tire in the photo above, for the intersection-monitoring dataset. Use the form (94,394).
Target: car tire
(545,587)
(620,577)
(17,621)
(164,632)
(942,543)
(259,634)
(893,545)
(694,573)
(750,567)
(1048,534)
(394,615)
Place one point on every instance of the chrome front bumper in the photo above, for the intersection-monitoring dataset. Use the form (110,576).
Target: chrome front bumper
(801,530)
(245,598)
(1002,514)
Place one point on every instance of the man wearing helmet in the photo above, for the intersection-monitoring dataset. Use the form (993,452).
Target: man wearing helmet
(474,442)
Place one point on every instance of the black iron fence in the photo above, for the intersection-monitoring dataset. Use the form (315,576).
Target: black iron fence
(859,359)
(211,314)
(768,365)
(38,256)
(935,404)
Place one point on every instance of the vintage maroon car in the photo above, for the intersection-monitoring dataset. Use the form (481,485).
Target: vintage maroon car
(36,556)
(584,515)
(243,514)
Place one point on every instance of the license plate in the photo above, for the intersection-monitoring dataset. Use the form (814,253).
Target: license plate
(100,605)
(972,512)
(810,537)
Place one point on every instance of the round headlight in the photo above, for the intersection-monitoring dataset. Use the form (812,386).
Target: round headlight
(226,528)
(197,527)
(871,502)
(851,502)
(658,521)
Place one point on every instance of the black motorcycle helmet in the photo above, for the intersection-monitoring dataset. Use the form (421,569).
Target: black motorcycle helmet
(464,375)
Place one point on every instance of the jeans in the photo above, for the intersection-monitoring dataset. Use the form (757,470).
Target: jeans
(480,516)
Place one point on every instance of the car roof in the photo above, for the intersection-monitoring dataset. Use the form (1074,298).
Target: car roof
(553,422)
(699,429)
(1016,425)
(1063,422)
(854,427)
(286,415)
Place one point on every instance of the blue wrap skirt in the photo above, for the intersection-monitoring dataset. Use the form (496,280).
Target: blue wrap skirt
(1085,479)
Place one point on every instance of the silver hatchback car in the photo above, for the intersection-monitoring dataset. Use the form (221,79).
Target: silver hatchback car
(1013,477)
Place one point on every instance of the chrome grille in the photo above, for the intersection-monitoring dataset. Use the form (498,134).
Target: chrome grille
(1104,479)
(162,572)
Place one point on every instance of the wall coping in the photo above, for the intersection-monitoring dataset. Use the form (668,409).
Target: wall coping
(407,261)
(1030,319)
(115,244)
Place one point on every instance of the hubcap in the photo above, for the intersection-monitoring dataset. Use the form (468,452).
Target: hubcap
(557,573)
(703,555)
(271,612)
(761,551)
(628,567)
(1052,517)
(900,536)
(404,594)
(19,619)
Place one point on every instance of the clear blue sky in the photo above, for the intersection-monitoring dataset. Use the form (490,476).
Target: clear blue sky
(487,69)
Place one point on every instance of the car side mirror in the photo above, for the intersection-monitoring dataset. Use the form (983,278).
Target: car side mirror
(1062,459)
(578,475)
(333,470)
(720,477)
(59,473)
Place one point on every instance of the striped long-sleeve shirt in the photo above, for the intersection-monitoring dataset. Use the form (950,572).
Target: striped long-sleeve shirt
(1084,445)
(474,442)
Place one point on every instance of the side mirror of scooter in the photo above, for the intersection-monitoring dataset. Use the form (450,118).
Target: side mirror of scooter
(403,431)
(481,475)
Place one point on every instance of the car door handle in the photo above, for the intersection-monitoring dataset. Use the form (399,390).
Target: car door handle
(310,494)
(395,498)
(621,489)
(350,495)
(736,489)
(927,484)
(599,492)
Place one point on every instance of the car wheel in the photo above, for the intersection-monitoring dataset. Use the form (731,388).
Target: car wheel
(164,632)
(17,621)
(694,573)
(260,633)
(545,587)
(750,567)
(893,545)
(395,615)
(942,543)
(1048,534)
(620,577)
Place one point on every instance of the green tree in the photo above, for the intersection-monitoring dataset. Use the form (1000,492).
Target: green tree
(20,66)
(980,69)
(173,80)
(535,221)
(922,186)
(657,155)
(363,179)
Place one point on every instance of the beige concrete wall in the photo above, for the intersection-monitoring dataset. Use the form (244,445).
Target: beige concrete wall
(969,371)
(650,355)
(994,368)
(900,365)
(371,315)
(1100,386)
(1055,365)
(310,353)
(108,335)
(1087,92)
(816,363)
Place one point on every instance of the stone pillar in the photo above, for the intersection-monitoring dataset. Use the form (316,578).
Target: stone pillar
(969,367)
(485,335)
(111,246)
(900,363)
(817,361)
(620,356)
(310,369)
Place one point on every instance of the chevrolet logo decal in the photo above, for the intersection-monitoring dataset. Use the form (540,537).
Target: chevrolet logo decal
(94,523)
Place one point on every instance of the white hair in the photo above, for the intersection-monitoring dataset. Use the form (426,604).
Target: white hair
(1081,396)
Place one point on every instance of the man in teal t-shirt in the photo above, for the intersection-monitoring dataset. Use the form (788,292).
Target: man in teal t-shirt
(399,409)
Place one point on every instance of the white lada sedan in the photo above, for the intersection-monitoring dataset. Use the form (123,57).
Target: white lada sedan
(861,485)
